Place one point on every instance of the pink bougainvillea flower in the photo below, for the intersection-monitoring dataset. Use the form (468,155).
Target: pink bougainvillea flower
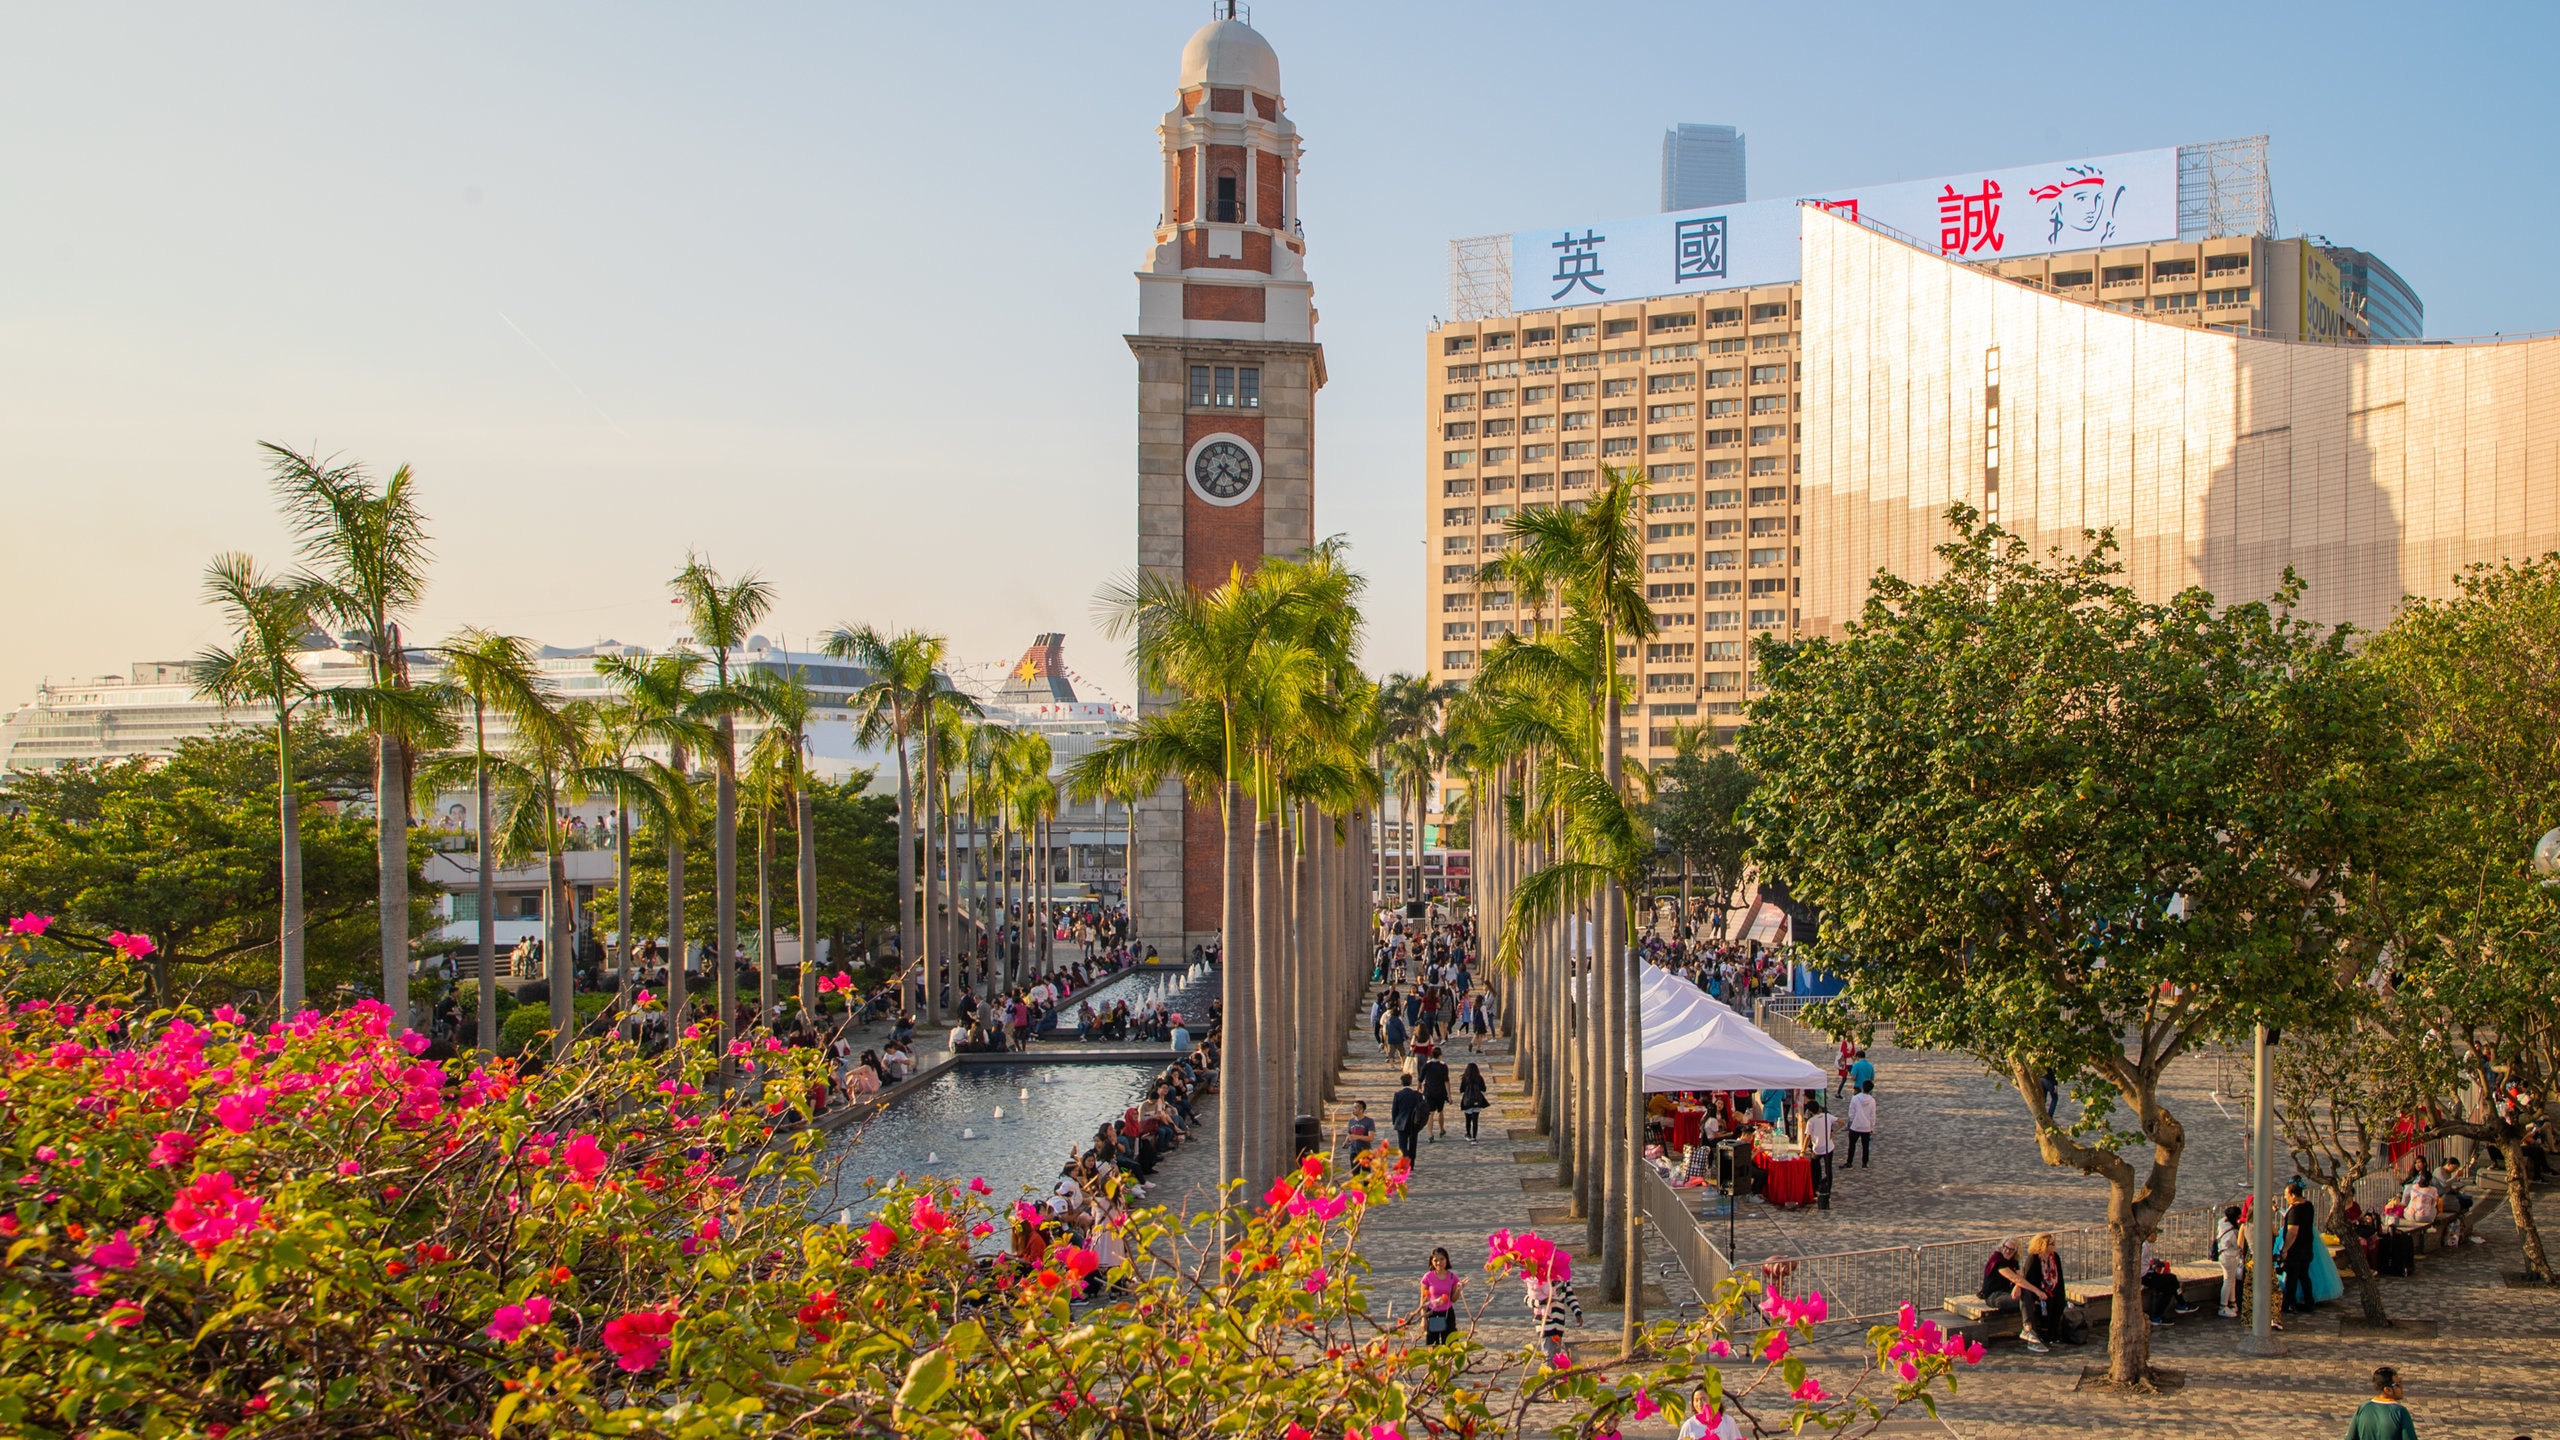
(640,1339)
(240,1113)
(509,1324)
(1810,1392)
(30,923)
(1297,1431)
(1910,1372)
(584,1157)
(115,1254)
(981,1230)
(172,1147)
(928,1216)
(879,1240)
(1774,1348)
(1317,1279)
(133,947)
(125,1314)
(1722,1350)
(978,1186)
(1079,1261)
(1645,1408)
(226,1014)
(1312,1167)
(1385,1432)
(1280,1191)
(645,999)
(212,1209)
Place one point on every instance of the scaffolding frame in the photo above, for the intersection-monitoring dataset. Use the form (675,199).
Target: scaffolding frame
(2223,189)
(1480,277)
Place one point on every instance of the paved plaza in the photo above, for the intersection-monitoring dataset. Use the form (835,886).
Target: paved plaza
(1956,1160)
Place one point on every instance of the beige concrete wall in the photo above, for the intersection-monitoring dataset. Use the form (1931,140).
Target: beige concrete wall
(2218,459)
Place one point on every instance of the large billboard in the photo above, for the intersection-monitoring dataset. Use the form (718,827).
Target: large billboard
(2129,199)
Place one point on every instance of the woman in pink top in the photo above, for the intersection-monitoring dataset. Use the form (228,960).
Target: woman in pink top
(1440,1287)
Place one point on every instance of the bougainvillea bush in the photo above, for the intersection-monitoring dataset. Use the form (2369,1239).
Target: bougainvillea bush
(229,1229)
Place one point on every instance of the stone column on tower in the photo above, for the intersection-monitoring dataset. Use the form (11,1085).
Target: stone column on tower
(1228,368)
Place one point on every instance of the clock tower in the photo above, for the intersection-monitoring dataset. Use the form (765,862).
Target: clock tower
(1228,369)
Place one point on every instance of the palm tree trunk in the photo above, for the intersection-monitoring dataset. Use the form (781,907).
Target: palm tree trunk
(928,903)
(679,993)
(562,970)
(725,878)
(622,899)
(1235,946)
(907,937)
(289,985)
(765,977)
(1306,942)
(1270,1002)
(1000,950)
(947,892)
(806,816)
(488,884)
(391,857)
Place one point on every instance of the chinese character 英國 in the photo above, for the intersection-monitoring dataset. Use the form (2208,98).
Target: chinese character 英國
(1697,249)
(1579,264)
(1967,223)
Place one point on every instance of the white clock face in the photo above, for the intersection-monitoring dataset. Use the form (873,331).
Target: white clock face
(1223,469)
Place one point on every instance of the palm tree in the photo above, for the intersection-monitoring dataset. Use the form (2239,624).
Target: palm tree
(488,672)
(1595,558)
(722,614)
(902,669)
(1031,798)
(366,555)
(785,705)
(664,693)
(615,764)
(269,620)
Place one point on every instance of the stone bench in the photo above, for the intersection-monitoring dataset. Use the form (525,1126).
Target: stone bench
(2199,1283)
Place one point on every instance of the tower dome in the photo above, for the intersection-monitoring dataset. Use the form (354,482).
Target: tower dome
(1230,52)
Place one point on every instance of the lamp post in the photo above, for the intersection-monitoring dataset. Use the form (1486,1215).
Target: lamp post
(2260,1340)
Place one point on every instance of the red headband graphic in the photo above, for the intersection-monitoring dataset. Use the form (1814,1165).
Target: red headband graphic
(2047,192)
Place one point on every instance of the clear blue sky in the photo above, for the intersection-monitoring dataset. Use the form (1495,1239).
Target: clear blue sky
(836,292)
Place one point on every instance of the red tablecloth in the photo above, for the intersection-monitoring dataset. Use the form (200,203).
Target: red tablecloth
(1684,1127)
(1788,1182)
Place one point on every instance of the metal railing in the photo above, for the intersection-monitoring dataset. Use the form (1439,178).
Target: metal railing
(1678,1225)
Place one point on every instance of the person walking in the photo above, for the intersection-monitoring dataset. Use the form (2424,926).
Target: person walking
(1818,1127)
(1441,1286)
(2383,1417)
(1862,1127)
(2230,1244)
(1396,1033)
(1358,1133)
(1435,1090)
(1408,1114)
(1862,1071)
(1472,1099)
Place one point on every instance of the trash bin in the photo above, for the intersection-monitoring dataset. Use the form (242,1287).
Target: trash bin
(1310,1137)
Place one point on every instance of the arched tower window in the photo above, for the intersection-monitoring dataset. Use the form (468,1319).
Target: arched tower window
(1230,206)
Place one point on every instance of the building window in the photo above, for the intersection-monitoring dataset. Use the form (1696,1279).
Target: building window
(1677,680)
(1768,404)
(1496,399)
(1458,515)
(1767,619)
(1723,437)
(1538,452)
(2173,270)
(1656,414)
(1579,332)
(1578,479)
(1723,377)
(1669,474)
(1457,487)
(1768,434)
(1623,444)
(2071,279)
(1460,430)
(1457,544)
(2184,300)
(1762,314)
(1457,659)
(1669,654)
(1457,459)
(1625,415)
(1578,390)
(1724,560)
(1532,424)
(1730,316)
(1671,561)
(1764,465)
(1663,444)
(1536,481)
(1660,323)
(2239,296)
(1541,335)
(2115,275)
(2226,264)
(1611,330)
(1230,387)
(1768,374)
(1669,530)
(1538,395)
(1457,345)
(1499,425)
(1663,353)
(1723,407)
(1200,381)
(1722,499)
(1457,574)
(1461,372)
(1458,630)
(1577,420)
(1496,514)
(1672,590)
(1457,600)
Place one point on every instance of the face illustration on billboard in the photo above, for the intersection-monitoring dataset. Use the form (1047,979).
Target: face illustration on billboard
(2079,208)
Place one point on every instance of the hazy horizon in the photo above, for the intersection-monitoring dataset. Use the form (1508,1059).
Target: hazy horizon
(837,294)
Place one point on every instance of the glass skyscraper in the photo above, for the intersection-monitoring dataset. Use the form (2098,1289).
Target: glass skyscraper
(1701,165)
(2375,293)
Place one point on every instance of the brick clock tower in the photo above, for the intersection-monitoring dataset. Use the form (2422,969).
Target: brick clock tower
(1228,369)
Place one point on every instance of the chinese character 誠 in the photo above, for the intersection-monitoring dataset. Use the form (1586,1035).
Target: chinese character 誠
(1697,249)
(1970,223)
(1579,264)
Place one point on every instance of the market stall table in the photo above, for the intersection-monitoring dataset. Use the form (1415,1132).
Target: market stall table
(1787,1177)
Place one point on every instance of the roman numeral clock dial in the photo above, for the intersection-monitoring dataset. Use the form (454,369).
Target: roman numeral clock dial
(1224,470)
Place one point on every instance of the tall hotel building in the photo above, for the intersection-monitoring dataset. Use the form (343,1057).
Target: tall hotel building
(1754,438)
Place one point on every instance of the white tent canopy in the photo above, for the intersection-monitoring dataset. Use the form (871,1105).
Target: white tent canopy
(1694,1042)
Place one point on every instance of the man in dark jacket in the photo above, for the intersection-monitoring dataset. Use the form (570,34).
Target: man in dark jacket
(1408,1115)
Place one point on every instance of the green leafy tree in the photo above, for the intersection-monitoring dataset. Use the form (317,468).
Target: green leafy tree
(2476,680)
(1697,814)
(2069,831)
(185,849)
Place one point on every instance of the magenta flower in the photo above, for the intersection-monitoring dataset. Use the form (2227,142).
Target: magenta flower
(133,947)
(30,923)
(116,1254)
(640,1339)
(212,1209)
(1317,1279)
(241,1113)
(1810,1392)
(584,1157)
(509,1324)
(978,1186)
(1645,1408)
(172,1147)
